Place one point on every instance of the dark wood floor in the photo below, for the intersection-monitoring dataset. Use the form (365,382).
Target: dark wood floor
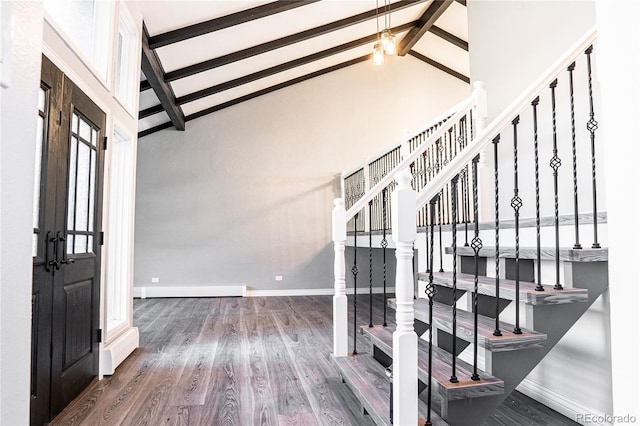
(242,361)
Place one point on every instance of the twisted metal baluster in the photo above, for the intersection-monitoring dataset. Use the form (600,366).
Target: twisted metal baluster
(430,291)
(355,271)
(440,229)
(575,165)
(426,237)
(476,245)
(465,218)
(516,203)
(534,105)
(454,217)
(592,126)
(384,245)
(439,150)
(370,269)
(555,164)
(496,141)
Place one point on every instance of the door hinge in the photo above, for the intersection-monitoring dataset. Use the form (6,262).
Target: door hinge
(101,238)
(105,142)
(99,335)
(60,118)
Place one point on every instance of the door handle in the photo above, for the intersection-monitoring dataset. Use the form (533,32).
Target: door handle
(49,242)
(64,260)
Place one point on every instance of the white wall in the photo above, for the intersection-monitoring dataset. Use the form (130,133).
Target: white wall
(246,193)
(19,104)
(512,42)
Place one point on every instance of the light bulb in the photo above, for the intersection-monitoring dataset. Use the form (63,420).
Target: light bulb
(378,55)
(388,42)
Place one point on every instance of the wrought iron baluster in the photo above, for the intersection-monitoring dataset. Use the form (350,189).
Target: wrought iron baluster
(426,237)
(465,217)
(534,105)
(454,246)
(592,126)
(384,245)
(496,141)
(575,165)
(555,164)
(440,228)
(355,271)
(430,291)
(516,203)
(370,269)
(476,245)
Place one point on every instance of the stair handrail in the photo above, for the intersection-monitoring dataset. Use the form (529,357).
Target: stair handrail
(460,109)
(485,136)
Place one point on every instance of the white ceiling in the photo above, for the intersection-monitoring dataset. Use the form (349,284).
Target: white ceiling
(163,16)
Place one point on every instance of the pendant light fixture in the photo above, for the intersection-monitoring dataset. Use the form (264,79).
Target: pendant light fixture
(386,44)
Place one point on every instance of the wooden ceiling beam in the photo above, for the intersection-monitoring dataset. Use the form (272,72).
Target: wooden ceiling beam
(428,18)
(150,111)
(227,21)
(286,66)
(439,66)
(449,37)
(144,85)
(282,42)
(152,69)
(154,129)
(277,87)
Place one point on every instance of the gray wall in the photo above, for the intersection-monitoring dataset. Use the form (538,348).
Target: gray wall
(246,193)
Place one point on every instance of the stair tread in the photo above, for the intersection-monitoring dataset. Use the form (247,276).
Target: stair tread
(486,325)
(567,254)
(441,369)
(367,379)
(528,294)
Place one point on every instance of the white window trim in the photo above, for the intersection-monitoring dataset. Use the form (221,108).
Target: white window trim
(130,104)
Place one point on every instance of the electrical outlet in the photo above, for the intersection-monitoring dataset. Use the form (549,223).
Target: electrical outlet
(155,279)
(278,277)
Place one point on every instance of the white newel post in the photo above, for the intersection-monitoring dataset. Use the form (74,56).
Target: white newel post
(480,122)
(405,339)
(340,335)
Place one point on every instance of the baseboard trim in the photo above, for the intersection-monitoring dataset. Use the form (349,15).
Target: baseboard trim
(568,407)
(118,350)
(241,290)
(190,291)
(313,292)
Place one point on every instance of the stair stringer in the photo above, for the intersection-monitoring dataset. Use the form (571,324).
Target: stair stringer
(513,366)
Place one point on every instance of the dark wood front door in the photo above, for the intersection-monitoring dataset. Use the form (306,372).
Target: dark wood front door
(66,249)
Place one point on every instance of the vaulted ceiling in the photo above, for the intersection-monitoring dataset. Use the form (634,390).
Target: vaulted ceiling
(199,57)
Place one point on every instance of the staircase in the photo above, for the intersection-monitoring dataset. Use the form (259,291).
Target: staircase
(474,332)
